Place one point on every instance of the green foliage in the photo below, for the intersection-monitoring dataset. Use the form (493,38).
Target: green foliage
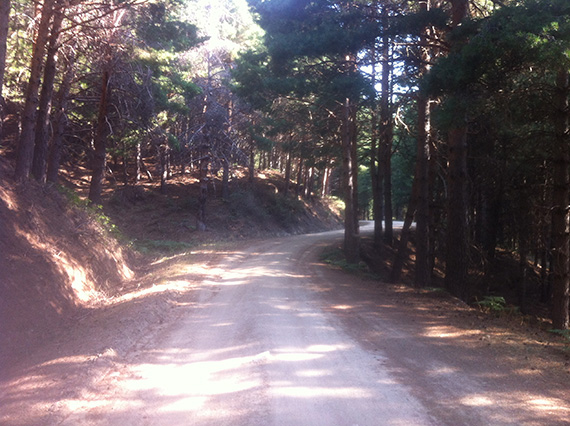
(495,304)
(564,333)
(158,26)
(335,257)
(95,211)
(161,246)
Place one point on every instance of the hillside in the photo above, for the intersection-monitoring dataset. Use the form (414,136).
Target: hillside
(59,260)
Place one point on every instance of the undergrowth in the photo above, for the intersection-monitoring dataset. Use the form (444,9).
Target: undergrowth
(334,256)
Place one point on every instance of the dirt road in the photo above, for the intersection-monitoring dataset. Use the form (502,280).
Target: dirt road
(270,336)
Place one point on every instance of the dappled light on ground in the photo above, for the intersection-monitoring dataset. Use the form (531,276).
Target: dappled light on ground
(267,336)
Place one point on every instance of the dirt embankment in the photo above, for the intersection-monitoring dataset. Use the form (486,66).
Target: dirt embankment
(55,261)
(58,262)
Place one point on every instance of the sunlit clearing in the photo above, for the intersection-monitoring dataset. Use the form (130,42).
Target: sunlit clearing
(476,401)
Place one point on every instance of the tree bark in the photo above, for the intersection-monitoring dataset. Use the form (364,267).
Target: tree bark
(201,219)
(99,162)
(350,172)
(287,173)
(457,242)
(26,143)
(422,276)
(386,139)
(39,163)
(457,250)
(62,99)
(4,27)
(560,198)
(402,253)
(225,179)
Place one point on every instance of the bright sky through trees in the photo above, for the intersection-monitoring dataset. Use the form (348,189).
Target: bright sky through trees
(227,24)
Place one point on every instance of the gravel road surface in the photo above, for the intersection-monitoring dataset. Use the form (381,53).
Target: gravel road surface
(271,336)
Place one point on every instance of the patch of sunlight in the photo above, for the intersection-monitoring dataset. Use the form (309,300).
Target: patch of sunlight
(77,279)
(327,348)
(441,371)
(184,404)
(175,285)
(443,331)
(477,401)
(310,353)
(10,203)
(195,382)
(342,307)
(31,383)
(166,258)
(387,381)
(527,372)
(313,373)
(296,356)
(316,392)
(550,404)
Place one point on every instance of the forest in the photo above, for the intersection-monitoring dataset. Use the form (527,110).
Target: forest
(451,115)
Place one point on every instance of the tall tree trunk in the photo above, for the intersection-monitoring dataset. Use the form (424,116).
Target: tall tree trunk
(560,199)
(163,149)
(376,169)
(299,178)
(225,179)
(350,172)
(325,184)
(287,173)
(386,137)
(201,219)
(251,165)
(4,27)
(26,143)
(457,250)
(62,99)
(402,253)
(39,163)
(423,270)
(99,162)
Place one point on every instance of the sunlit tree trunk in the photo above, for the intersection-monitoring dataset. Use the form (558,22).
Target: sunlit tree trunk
(28,123)
(99,161)
(287,173)
(225,179)
(39,163)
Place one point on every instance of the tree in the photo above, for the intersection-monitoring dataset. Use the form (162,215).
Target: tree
(4,27)
(512,79)
(29,114)
(302,60)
